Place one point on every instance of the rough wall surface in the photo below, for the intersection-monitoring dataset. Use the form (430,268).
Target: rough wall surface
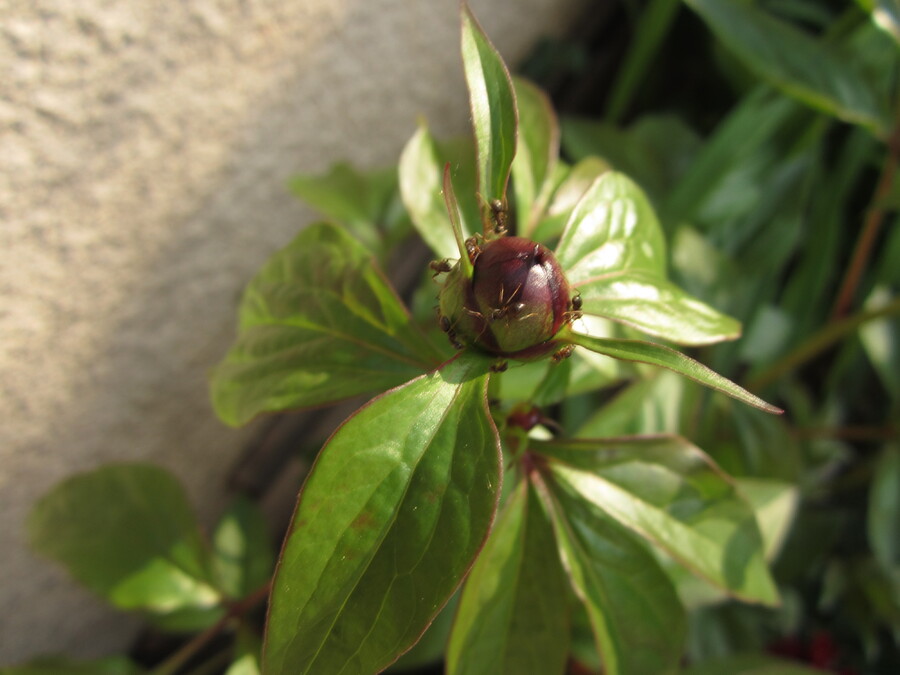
(144,149)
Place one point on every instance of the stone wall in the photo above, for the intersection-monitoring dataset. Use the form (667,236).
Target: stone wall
(144,151)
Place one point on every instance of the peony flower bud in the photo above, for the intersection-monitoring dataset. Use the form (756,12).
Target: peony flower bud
(515,303)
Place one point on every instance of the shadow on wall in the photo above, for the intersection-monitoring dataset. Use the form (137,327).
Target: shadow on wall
(176,131)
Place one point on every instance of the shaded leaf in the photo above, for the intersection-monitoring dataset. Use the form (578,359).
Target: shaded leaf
(638,623)
(318,324)
(670,493)
(128,533)
(493,106)
(654,151)
(537,154)
(658,355)
(421,183)
(789,59)
(391,517)
(513,614)
(243,556)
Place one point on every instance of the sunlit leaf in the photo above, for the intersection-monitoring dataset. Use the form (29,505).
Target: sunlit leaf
(421,184)
(637,622)
(128,533)
(391,517)
(658,355)
(318,324)
(669,492)
(568,185)
(791,60)
(538,150)
(493,106)
(614,255)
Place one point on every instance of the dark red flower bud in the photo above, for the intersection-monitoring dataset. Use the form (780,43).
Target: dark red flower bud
(515,303)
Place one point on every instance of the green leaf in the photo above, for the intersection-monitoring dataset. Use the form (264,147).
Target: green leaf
(669,492)
(750,664)
(391,517)
(513,614)
(637,622)
(568,186)
(658,355)
(612,229)
(422,180)
(493,105)
(883,520)
(358,200)
(243,557)
(613,252)
(792,61)
(538,151)
(318,324)
(725,171)
(112,665)
(128,533)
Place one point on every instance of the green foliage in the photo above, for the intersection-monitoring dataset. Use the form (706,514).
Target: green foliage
(128,533)
(318,324)
(617,544)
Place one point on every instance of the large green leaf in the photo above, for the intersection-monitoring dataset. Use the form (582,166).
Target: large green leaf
(318,324)
(128,533)
(789,59)
(614,255)
(668,491)
(537,155)
(493,106)
(637,622)
(422,181)
(513,614)
(390,519)
(658,355)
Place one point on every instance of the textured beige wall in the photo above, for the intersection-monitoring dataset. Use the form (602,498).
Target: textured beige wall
(144,148)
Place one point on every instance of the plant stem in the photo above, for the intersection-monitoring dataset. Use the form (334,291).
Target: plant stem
(175,661)
(871,227)
(818,343)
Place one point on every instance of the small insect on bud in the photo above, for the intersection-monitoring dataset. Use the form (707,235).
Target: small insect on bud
(515,303)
